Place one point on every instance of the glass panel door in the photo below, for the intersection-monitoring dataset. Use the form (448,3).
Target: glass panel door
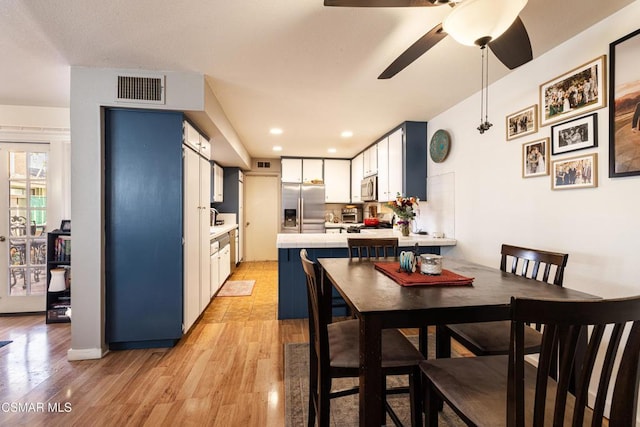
(24,186)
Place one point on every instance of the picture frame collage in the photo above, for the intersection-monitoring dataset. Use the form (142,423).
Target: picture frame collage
(564,104)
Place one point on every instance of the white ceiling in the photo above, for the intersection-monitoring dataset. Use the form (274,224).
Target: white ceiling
(294,64)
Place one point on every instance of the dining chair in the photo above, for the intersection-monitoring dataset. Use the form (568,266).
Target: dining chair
(334,352)
(372,248)
(368,248)
(493,337)
(507,390)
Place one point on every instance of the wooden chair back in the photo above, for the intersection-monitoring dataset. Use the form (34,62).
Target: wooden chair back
(533,263)
(372,248)
(318,335)
(564,322)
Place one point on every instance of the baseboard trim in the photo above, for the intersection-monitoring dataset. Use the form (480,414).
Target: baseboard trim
(85,354)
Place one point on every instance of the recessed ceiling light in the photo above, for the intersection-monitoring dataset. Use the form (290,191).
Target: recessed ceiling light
(277,148)
(275,131)
(332,150)
(346,134)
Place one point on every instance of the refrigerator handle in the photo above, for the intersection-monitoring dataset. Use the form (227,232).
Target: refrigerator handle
(301,213)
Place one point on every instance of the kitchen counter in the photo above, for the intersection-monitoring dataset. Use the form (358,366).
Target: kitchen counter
(322,240)
(219,230)
(292,292)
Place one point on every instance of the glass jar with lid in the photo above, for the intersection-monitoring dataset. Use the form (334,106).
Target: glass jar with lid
(431,264)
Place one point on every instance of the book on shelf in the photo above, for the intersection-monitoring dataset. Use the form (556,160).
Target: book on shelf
(62,248)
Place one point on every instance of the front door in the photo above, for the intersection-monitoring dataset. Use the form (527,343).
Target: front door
(23,219)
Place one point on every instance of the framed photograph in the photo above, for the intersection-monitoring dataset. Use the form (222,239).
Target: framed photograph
(65,225)
(624,106)
(575,134)
(535,158)
(575,172)
(524,122)
(574,93)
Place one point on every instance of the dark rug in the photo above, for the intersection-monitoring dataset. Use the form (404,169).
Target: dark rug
(344,410)
(3,343)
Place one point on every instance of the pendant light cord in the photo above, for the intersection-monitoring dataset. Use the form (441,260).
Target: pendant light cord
(484,91)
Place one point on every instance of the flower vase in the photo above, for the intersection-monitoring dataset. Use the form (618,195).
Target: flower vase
(404,228)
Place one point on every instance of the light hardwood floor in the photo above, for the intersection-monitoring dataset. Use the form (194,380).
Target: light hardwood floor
(227,372)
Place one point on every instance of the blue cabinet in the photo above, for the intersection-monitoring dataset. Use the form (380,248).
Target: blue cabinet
(143,228)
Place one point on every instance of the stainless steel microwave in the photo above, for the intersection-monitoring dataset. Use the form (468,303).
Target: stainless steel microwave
(369,189)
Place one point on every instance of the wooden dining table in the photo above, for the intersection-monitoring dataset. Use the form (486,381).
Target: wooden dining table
(379,303)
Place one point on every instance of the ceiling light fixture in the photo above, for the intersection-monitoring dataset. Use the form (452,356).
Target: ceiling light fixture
(275,131)
(346,134)
(277,148)
(332,150)
(478,22)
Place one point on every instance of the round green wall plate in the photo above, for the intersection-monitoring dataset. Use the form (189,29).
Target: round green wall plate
(440,145)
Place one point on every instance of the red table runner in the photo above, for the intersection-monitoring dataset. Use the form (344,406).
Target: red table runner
(447,278)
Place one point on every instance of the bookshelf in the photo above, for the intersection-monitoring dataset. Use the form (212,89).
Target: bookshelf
(58,257)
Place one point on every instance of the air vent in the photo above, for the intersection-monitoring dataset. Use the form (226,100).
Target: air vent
(263,165)
(137,89)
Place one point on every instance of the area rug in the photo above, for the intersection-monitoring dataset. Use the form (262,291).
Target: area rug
(344,410)
(237,288)
(3,343)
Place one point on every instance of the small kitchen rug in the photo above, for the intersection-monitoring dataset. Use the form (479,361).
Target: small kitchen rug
(237,288)
(3,343)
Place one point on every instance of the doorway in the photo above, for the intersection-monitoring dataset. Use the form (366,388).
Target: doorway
(23,242)
(261,215)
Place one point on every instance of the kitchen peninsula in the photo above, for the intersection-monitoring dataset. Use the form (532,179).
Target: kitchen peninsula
(292,296)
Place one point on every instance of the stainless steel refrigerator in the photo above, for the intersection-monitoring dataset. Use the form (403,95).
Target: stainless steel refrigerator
(302,208)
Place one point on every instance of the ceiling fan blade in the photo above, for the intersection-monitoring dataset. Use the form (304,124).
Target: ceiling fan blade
(414,52)
(513,48)
(380,3)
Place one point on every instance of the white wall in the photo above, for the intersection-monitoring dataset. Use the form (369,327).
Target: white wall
(598,227)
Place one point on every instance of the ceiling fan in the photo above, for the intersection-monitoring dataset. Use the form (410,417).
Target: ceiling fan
(480,22)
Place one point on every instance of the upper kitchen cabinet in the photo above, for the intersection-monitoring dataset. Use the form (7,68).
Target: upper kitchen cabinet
(336,173)
(298,170)
(217,186)
(401,163)
(390,166)
(312,170)
(356,177)
(408,153)
(291,170)
(383,169)
(370,160)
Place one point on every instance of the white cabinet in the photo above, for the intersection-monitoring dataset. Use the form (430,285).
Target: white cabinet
(370,161)
(390,166)
(225,263)
(395,167)
(356,178)
(312,169)
(196,200)
(217,195)
(337,174)
(291,170)
(191,249)
(214,268)
(383,170)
